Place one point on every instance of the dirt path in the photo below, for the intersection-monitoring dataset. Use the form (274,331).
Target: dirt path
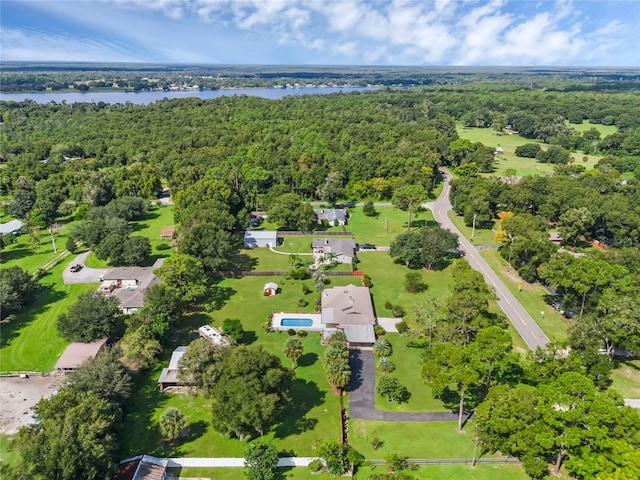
(19,396)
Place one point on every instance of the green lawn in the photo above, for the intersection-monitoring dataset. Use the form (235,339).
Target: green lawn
(388,282)
(31,342)
(408,364)
(553,324)
(22,253)
(8,456)
(414,439)
(431,472)
(586,125)
(481,236)
(626,379)
(508,159)
(151,226)
(383,228)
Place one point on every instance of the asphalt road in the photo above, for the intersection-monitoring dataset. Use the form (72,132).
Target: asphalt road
(86,275)
(528,329)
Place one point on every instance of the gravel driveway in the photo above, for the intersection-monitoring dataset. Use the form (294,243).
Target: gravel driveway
(86,275)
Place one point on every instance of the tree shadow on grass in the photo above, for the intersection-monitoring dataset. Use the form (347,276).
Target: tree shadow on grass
(307,359)
(243,262)
(9,255)
(249,337)
(218,296)
(40,303)
(294,421)
(421,223)
(356,363)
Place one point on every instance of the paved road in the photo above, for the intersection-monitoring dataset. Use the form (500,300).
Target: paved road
(530,332)
(362,394)
(86,275)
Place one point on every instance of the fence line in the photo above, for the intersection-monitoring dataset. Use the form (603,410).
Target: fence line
(453,461)
(315,233)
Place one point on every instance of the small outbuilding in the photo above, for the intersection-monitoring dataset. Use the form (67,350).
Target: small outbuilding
(143,467)
(12,226)
(499,150)
(170,376)
(168,234)
(260,238)
(271,288)
(77,353)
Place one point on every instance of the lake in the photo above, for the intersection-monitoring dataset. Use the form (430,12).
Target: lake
(143,98)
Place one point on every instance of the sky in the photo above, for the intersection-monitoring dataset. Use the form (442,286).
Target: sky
(324,32)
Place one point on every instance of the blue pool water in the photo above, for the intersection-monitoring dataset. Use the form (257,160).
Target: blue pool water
(296,322)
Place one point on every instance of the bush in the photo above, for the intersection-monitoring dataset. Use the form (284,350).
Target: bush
(376,443)
(306,289)
(71,244)
(315,466)
(397,311)
(396,462)
(388,305)
(413,282)
(368,209)
(402,327)
(232,327)
(291,332)
(528,150)
(366,281)
(302,302)
(299,273)
(302,333)
(378,330)
(163,246)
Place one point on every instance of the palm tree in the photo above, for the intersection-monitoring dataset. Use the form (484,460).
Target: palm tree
(386,365)
(382,348)
(293,349)
(294,260)
(172,422)
(338,373)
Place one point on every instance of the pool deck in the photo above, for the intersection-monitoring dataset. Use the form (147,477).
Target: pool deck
(314,317)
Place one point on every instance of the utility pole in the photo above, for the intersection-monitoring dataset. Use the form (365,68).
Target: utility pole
(473,463)
(53,242)
(473,229)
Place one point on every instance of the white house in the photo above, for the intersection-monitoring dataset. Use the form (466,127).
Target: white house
(333,216)
(260,238)
(271,288)
(336,250)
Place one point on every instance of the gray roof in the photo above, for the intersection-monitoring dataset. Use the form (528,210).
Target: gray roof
(331,214)
(134,297)
(267,234)
(171,374)
(336,246)
(359,333)
(11,226)
(348,305)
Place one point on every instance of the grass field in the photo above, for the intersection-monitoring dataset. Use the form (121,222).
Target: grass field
(408,362)
(508,159)
(8,456)
(431,472)
(388,282)
(626,379)
(586,125)
(30,342)
(481,236)
(383,228)
(22,253)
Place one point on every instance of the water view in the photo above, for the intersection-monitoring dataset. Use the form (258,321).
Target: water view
(143,98)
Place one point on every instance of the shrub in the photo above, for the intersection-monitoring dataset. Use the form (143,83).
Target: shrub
(402,327)
(306,289)
(315,466)
(396,462)
(388,305)
(368,209)
(299,273)
(397,311)
(71,244)
(266,293)
(232,327)
(366,281)
(376,443)
(302,302)
(378,330)
(302,333)
(528,150)
(291,332)
(413,282)
(163,246)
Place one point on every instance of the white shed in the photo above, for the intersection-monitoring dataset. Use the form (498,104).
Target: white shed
(260,238)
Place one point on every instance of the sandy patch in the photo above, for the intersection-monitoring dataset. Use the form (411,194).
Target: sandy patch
(18,397)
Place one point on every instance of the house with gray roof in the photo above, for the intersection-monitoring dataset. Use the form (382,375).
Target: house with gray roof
(128,285)
(12,226)
(336,250)
(349,309)
(260,238)
(333,216)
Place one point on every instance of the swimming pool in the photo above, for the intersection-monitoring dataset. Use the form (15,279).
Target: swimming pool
(296,322)
(283,321)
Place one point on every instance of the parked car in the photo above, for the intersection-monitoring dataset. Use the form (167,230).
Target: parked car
(367,246)
(75,268)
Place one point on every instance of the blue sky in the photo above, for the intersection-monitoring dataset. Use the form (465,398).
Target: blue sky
(324,32)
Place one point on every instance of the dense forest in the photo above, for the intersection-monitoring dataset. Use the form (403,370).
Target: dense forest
(225,157)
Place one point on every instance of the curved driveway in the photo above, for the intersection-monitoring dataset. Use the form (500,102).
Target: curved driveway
(86,275)
(530,332)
